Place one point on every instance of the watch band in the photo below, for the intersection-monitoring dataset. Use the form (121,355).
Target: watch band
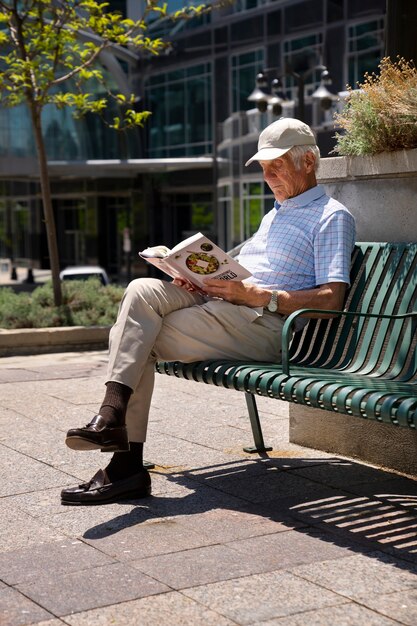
(273,303)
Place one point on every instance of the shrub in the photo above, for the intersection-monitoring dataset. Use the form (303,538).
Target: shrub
(382,114)
(85,303)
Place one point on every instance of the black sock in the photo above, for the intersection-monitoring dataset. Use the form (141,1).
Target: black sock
(115,403)
(125,464)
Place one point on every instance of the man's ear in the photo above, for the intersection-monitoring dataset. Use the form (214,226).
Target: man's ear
(310,162)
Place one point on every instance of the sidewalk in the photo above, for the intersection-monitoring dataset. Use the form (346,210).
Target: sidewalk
(39,277)
(295,538)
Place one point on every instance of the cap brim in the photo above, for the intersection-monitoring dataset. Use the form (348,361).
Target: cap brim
(268,154)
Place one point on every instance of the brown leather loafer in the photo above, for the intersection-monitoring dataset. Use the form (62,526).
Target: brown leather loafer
(99,490)
(98,436)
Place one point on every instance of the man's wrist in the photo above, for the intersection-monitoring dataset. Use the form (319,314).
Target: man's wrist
(272,303)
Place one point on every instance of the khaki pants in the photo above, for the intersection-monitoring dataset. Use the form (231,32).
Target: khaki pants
(158,320)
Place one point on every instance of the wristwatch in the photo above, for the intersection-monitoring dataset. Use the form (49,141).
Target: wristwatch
(273,303)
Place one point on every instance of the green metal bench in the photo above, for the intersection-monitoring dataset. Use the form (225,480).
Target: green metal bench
(362,362)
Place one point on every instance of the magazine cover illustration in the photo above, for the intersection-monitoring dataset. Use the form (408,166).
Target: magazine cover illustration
(195,259)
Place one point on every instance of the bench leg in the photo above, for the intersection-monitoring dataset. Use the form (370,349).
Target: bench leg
(256,426)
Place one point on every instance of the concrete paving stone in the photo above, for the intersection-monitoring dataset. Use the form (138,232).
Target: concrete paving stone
(399,605)
(288,549)
(344,474)
(221,438)
(200,499)
(398,491)
(21,474)
(171,608)
(345,615)
(49,372)
(166,450)
(378,524)
(229,525)
(45,442)
(92,588)
(150,538)
(271,485)
(50,559)
(353,513)
(361,575)
(205,395)
(262,596)
(88,390)
(91,521)
(18,375)
(44,408)
(200,566)
(195,415)
(17,610)
(245,468)
(194,389)
(21,529)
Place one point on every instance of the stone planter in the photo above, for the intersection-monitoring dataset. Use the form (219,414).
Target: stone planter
(380,191)
(42,340)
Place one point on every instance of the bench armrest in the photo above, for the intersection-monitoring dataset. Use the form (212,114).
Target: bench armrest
(289,323)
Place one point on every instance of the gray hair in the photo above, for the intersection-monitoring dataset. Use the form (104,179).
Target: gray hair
(297,152)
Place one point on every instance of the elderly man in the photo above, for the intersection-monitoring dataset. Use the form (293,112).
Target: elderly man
(299,258)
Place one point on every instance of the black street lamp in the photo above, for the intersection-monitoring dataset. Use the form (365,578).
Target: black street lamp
(261,98)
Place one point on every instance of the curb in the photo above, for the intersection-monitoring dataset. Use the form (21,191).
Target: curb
(26,341)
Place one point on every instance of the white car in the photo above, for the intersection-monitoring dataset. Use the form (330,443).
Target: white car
(84,272)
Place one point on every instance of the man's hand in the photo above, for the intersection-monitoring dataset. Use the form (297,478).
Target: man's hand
(185,284)
(237,292)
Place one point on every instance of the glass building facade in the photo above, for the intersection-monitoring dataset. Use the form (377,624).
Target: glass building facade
(197,92)
(212,67)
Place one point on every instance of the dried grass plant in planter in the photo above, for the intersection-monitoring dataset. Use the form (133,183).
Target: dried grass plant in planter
(381,115)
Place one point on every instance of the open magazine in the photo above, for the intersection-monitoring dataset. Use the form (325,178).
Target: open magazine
(195,259)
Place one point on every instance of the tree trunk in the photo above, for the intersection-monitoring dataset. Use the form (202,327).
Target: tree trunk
(47,204)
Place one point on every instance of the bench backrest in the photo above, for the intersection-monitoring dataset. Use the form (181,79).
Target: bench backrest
(383,281)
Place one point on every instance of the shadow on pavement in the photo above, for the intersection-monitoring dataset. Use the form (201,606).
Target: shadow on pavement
(336,500)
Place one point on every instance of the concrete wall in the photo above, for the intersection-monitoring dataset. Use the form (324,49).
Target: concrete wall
(381,192)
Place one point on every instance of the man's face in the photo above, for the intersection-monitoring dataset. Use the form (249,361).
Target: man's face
(284,180)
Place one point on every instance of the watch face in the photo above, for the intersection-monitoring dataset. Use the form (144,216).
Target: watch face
(273,303)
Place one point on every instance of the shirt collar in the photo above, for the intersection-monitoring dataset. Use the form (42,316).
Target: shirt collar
(303,199)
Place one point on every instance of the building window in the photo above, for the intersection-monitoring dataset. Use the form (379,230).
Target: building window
(224,200)
(166,27)
(365,42)
(245,67)
(246,5)
(180,102)
(302,55)
(257,200)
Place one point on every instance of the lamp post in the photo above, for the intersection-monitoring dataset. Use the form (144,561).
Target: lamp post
(261,98)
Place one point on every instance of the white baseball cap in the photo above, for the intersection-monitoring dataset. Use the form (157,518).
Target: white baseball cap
(280,136)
